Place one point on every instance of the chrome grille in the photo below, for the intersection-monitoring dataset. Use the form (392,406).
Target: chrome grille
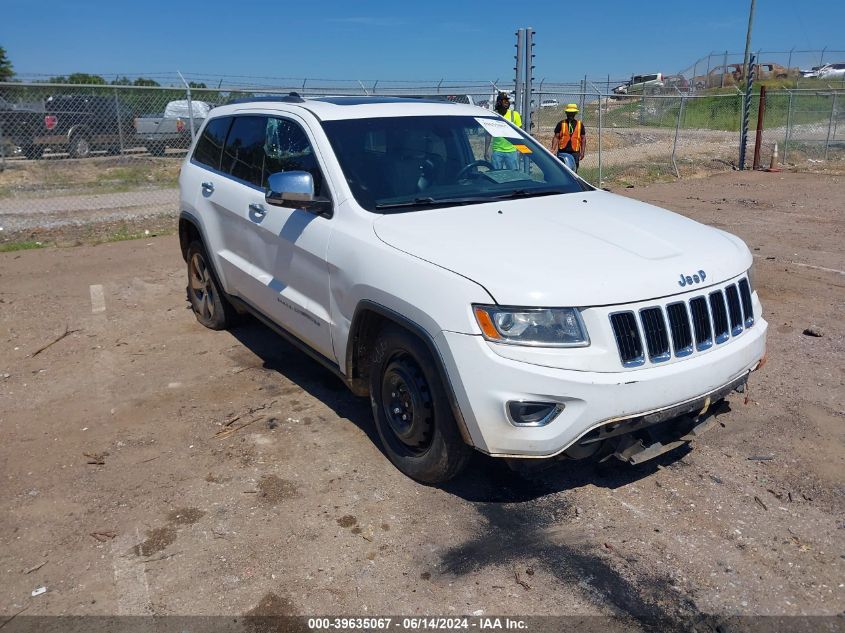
(656,337)
(745,296)
(701,323)
(734,311)
(679,323)
(720,316)
(627,338)
(682,328)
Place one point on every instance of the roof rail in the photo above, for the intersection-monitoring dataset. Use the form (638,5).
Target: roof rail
(291,97)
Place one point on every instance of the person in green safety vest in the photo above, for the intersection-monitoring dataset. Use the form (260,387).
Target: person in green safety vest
(504,154)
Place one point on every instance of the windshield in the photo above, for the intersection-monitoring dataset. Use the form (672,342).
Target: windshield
(406,163)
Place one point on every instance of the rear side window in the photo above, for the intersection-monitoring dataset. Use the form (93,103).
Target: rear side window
(210,146)
(243,156)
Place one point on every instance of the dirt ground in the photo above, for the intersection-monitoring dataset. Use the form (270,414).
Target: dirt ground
(124,492)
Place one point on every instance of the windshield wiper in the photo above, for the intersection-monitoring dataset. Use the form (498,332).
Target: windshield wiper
(528,193)
(429,202)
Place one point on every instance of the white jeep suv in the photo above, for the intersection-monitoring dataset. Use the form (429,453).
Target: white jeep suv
(481,301)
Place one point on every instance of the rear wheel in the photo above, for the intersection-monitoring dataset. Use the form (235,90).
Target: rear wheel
(80,146)
(411,410)
(208,302)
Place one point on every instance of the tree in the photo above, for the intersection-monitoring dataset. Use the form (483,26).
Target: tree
(143,81)
(198,85)
(6,70)
(121,81)
(85,78)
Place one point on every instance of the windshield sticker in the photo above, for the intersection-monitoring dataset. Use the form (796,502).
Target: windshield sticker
(523,149)
(498,128)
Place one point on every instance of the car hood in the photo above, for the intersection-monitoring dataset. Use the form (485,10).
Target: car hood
(581,249)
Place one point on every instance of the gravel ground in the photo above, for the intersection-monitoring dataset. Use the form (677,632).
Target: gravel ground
(120,478)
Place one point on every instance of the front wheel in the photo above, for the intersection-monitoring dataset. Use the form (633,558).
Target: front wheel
(411,410)
(32,152)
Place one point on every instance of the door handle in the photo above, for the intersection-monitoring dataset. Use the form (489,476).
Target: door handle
(257,209)
(208,186)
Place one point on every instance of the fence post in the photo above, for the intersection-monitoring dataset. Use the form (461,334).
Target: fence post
(761,115)
(119,121)
(601,125)
(788,126)
(677,130)
(724,71)
(2,150)
(746,112)
(642,108)
(190,108)
(821,57)
(583,94)
(830,125)
(789,61)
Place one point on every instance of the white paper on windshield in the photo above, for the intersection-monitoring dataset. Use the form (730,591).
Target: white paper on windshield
(498,127)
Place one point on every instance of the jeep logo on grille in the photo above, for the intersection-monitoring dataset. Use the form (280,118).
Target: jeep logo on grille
(688,280)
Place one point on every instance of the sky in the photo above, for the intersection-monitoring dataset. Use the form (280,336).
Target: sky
(396,40)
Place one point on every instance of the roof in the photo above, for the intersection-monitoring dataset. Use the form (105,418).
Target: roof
(350,107)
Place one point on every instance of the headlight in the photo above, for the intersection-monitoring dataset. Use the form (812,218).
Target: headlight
(541,327)
(751,275)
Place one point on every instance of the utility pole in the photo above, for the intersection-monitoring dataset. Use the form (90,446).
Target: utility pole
(748,41)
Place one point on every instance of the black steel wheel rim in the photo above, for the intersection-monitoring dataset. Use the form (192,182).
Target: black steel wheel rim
(407,404)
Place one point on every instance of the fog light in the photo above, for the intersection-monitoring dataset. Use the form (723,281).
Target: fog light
(533,413)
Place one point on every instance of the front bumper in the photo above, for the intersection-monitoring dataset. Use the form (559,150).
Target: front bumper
(484,381)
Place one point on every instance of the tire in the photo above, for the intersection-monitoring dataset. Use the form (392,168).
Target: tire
(208,301)
(79,146)
(33,152)
(156,149)
(404,381)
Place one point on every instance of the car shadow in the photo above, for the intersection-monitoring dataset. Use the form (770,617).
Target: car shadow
(279,356)
(486,479)
(491,480)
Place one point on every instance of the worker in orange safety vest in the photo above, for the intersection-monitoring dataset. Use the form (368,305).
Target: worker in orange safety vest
(570,137)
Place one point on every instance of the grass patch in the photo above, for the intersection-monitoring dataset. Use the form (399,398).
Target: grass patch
(719,112)
(11,247)
(127,232)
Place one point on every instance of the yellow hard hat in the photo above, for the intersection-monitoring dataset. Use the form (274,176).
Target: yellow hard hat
(571,107)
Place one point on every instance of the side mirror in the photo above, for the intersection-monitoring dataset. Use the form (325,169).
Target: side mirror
(290,189)
(295,190)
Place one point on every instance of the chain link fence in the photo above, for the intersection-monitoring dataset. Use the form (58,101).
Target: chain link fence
(108,152)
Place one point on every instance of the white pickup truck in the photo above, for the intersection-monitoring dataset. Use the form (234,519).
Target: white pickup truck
(516,311)
(171,128)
